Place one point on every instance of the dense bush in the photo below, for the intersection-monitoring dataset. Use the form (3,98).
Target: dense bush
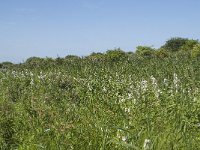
(96,57)
(34,61)
(182,47)
(6,64)
(72,57)
(174,44)
(116,54)
(145,51)
(162,53)
(196,51)
(189,44)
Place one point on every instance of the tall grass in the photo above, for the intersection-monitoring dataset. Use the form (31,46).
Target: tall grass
(130,104)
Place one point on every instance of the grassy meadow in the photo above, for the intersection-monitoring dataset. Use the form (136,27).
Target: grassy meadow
(136,103)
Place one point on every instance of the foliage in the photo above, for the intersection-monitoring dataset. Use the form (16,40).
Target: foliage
(174,44)
(130,53)
(48,60)
(123,105)
(72,57)
(126,101)
(96,57)
(115,55)
(59,61)
(196,51)
(34,61)
(6,64)
(189,44)
(145,51)
(162,53)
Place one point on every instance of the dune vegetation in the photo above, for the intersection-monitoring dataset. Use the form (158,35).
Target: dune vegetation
(142,100)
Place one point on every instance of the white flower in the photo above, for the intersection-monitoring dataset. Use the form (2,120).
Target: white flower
(129,95)
(154,82)
(32,82)
(124,138)
(144,85)
(166,82)
(198,124)
(122,100)
(104,89)
(147,144)
(134,101)
(189,91)
(176,81)
(127,110)
(46,130)
(31,74)
(157,91)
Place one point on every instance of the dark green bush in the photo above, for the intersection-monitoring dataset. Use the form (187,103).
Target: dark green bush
(174,44)
(6,64)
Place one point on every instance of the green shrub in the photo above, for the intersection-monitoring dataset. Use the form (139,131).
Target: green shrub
(189,45)
(96,57)
(145,51)
(174,44)
(6,64)
(162,53)
(116,54)
(59,61)
(71,57)
(196,51)
(34,61)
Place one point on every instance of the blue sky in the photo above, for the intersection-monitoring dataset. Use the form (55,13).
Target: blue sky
(62,27)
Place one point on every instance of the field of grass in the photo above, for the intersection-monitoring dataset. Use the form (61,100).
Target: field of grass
(137,103)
